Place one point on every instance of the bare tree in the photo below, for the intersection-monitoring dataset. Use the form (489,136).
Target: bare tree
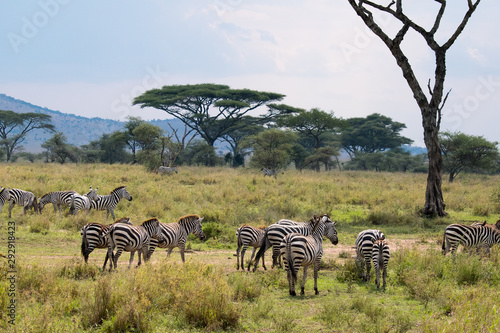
(430,105)
(171,149)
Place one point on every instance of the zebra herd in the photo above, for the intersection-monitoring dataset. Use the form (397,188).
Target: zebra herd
(59,199)
(300,245)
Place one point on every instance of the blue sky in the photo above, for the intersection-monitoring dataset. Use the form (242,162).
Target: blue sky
(92,58)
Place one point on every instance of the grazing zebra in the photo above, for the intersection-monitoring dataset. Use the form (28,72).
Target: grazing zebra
(131,238)
(275,234)
(469,236)
(110,201)
(82,202)
(58,199)
(380,257)
(4,196)
(167,170)
(22,198)
(249,236)
(364,247)
(270,172)
(175,234)
(92,239)
(298,251)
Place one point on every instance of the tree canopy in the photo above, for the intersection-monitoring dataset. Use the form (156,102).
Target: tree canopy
(212,110)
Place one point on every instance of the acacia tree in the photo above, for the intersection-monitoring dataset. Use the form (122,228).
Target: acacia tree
(15,126)
(430,105)
(212,110)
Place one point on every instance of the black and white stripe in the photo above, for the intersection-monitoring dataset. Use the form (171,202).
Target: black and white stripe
(4,197)
(110,201)
(58,199)
(469,236)
(176,234)
(303,251)
(364,247)
(248,236)
(92,238)
(270,172)
(275,234)
(380,257)
(131,238)
(82,202)
(22,198)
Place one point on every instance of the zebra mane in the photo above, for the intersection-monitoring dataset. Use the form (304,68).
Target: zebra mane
(188,218)
(118,188)
(154,219)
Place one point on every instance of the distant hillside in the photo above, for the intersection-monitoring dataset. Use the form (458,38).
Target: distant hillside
(78,130)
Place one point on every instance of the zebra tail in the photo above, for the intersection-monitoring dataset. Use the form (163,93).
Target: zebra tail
(85,246)
(265,245)
(289,258)
(444,242)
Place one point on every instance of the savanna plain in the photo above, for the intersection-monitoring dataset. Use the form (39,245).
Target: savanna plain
(55,291)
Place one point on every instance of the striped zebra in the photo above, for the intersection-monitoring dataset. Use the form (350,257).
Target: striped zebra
(298,251)
(131,238)
(4,197)
(58,199)
(380,257)
(22,198)
(168,170)
(176,234)
(82,202)
(110,201)
(249,236)
(275,234)
(92,239)
(270,172)
(364,247)
(469,236)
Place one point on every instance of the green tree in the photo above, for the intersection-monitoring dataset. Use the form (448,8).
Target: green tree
(432,103)
(272,148)
(60,151)
(236,137)
(131,140)
(109,148)
(212,110)
(462,152)
(200,153)
(15,126)
(372,134)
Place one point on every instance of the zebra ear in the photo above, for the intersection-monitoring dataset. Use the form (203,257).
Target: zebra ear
(201,219)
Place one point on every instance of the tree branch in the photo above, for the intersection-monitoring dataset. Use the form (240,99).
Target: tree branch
(461,26)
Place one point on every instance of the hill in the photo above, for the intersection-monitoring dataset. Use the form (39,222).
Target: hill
(77,129)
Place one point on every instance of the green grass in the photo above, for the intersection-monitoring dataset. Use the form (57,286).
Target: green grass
(57,292)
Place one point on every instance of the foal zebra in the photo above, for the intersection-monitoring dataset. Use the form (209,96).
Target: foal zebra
(270,172)
(248,236)
(469,236)
(380,257)
(175,234)
(364,248)
(58,199)
(131,238)
(82,202)
(22,198)
(110,201)
(276,232)
(303,251)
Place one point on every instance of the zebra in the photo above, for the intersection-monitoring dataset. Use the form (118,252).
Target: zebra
(249,236)
(22,198)
(58,199)
(4,196)
(82,202)
(469,236)
(175,234)
(298,250)
(131,238)
(275,234)
(270,172)
(168,170)
(380,257)
(110,201)
(92,239)
(364,247)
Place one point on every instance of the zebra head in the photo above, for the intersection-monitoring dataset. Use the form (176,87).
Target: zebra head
(330,229)
(121,192)
(92,194)
(153,228)
(43,200)
(198,230)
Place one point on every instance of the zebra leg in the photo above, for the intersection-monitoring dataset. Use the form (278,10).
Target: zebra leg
(368,268)
(243,250)
(276,254)
(11,205)
(251,259)
(291,282)
(132,259)
(117,255)
(304,281)
(263,264)
(182,247)
(316,269)
(384,276)
(377,275)
(169,251)
(238,257)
